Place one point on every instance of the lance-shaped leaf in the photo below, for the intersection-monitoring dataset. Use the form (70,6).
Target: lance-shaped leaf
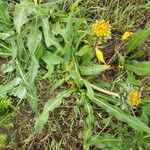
(22,11)
(34,37)
(93,70)
(137,39)
(132,121)
(140,68)
(50,106)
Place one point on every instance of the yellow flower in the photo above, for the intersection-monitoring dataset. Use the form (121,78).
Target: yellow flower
(126,35)
(134,97)
(101,29)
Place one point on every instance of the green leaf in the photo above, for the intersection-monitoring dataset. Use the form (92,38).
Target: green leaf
(92,70)
(77,78)
(103,142)
(32,96)
(84,50)
(50,58)
(146,113)
(68,53)
(46,31)
(69,29)
(7,68)
(20,46)
(33,69)
(137,54)
(74,6)
(132,79)
(90,92)
(20,92)
(137,39)
(86,135)
(90,118)
(50,106)
(132,121)
(22,11)
(4,17)
(9,86)
(49,37)
(56,85)
(34,37)
(6,35)
(3,54)
(50,69)
(87,132)
(140,68)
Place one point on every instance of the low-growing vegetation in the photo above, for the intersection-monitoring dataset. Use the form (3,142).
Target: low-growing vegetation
(74,75)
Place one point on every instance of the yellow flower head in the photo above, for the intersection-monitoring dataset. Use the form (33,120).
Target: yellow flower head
(101,29)
(126,35)
(134,97)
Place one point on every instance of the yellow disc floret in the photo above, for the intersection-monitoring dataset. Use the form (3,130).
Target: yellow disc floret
(134,97)
(101,29)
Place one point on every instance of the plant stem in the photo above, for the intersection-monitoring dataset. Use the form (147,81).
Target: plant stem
(104,91)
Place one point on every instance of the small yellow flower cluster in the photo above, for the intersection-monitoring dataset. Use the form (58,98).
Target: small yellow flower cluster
(134,97)
(126,35)
(101,29)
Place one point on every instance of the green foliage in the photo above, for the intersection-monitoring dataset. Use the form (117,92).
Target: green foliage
(140,68)
(39,38)
(137,39)
(106,141)
(2,141)
(49,106)
(6,115)
(132,121)
(92,70)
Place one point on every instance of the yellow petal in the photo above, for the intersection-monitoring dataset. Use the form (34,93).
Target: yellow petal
(126,35)
(99,55)
(69,67)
